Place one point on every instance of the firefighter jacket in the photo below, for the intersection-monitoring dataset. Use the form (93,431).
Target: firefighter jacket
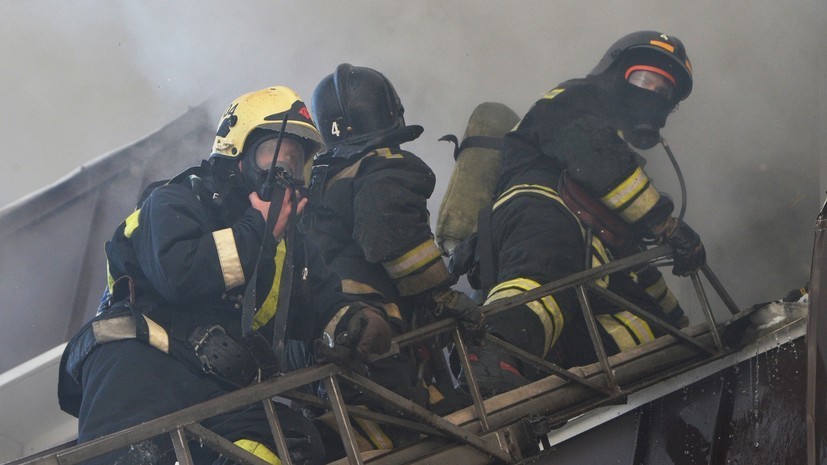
(192,258)
(370,220)
(571,128)
(189,249)
(536,239)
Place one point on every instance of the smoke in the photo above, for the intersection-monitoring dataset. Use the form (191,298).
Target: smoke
(83,79)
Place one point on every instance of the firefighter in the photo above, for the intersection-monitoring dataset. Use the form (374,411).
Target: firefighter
(578,142)
(171,331)
(370,219)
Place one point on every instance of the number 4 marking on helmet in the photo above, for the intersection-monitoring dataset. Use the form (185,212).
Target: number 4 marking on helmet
(334,129)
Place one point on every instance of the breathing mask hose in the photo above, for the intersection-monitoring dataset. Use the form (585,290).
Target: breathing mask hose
(275,196)
(680,176)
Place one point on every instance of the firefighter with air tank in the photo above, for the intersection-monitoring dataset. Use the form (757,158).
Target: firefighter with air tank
(572,194)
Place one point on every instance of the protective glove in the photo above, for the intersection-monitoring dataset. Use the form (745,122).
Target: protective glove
(689,250)
(451,303)
(366,333)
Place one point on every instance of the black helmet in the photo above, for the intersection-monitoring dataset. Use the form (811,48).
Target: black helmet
(650,48)
(356,109)
(648,74)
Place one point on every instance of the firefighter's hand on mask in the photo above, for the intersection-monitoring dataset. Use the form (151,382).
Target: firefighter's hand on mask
(284,214)
(689,250)
(456,304)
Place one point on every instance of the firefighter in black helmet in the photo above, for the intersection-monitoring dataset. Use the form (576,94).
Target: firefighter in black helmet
(577,142)
(369,215)
(171,331)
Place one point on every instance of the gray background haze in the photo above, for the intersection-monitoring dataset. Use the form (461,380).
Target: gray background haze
(83,78)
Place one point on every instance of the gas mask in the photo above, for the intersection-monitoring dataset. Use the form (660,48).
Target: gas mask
(645,102)
(258,160)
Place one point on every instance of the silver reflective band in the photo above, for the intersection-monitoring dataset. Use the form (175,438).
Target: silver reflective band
(651,80)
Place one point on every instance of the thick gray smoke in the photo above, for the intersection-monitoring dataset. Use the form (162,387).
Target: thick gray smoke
(84,78)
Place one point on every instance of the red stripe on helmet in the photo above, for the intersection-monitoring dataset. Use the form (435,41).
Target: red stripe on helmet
(652,69)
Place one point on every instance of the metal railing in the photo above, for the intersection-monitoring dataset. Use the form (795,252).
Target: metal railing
(495,440)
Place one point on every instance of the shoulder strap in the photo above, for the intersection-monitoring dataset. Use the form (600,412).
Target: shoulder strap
(485,247)
(486,142)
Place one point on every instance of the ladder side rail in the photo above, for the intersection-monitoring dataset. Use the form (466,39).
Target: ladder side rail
(277,431)
(649,317)
(710,318)
(597,342)
(364,413)
(471,379)
(424,415)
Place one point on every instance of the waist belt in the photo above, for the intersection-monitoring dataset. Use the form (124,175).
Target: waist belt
(221,356)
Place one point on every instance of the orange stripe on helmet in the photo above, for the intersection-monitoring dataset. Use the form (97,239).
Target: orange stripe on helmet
(652,69)
(663,45)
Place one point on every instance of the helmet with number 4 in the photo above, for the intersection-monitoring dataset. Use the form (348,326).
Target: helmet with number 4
(356,109)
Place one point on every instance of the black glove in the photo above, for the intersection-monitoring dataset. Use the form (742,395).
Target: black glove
(796,294)
(456,304)
(689,250)
(366,333)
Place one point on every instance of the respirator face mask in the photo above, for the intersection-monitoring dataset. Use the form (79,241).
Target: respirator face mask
(256,164)
(646,101)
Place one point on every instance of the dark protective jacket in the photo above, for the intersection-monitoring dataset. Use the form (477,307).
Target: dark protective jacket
(193,260)
(536,239)
(189,250)
(370,220)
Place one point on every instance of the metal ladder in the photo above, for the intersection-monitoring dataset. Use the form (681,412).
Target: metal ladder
(506,428)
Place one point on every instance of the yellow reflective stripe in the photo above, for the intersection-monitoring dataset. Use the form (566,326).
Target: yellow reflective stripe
(526,189)
(663,295)
(637,326)
(413,260)
(626,190)
(617,331)
(434,395)
(124,327)
(599,257)
(330,328)
(546,308)
(386,153)
(228,258)
(553,93)
(374,432)
(633,197)
(130,223)
(259,450)
(110,281)
(641,205)
(392,310)
(350,286)
(425,278)
(158,336)
(269,307)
